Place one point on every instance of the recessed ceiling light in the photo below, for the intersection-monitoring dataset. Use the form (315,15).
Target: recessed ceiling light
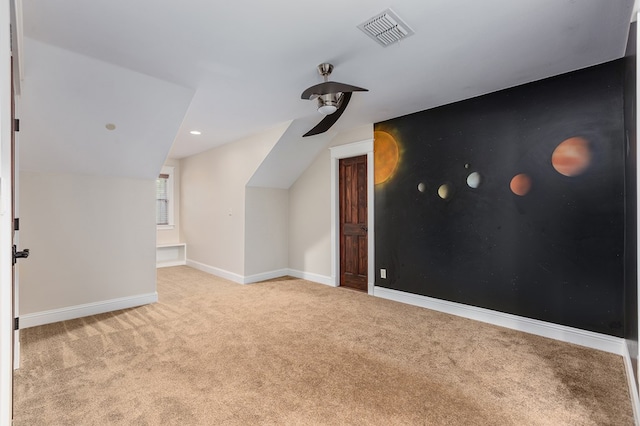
(110,126)
(195,132)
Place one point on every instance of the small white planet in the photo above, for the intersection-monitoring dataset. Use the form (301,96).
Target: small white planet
(473,180)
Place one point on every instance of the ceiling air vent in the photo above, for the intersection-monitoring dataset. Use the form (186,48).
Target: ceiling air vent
(386,28)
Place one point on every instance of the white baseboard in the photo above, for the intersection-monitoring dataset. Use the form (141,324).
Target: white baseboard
(563,333)
(236,278)
(85,310)
(231,276)
(249,279)
(172,263)
(633,388)
(310,276)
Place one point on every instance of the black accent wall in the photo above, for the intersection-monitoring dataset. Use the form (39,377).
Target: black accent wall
(555,253)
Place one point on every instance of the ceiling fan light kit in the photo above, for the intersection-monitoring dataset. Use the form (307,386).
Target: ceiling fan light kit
(333,98)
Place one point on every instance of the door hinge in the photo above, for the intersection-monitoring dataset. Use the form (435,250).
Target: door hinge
(16,224)
(16,323)
(16,124)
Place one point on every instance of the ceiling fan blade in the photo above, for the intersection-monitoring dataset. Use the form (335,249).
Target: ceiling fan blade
(330,120)
(329,87)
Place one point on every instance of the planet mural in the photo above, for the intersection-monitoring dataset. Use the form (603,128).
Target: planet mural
(385,156)
(473,180)
(572,156)
(445,191)
(520,184)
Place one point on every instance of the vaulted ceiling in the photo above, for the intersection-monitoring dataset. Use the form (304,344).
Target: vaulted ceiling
(159,69)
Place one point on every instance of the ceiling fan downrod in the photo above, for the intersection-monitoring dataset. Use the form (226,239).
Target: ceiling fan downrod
(325,70)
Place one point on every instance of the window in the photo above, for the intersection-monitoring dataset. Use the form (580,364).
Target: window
(164,198)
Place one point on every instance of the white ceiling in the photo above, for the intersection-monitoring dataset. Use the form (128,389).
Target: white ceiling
(232,69)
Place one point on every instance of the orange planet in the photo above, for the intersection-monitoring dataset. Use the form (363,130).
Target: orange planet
(385,156)
(520,184)
(572,156)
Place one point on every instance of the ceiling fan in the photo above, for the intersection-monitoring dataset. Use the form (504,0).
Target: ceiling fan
(333,98)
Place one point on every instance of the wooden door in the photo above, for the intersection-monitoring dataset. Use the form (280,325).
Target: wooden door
(353,222)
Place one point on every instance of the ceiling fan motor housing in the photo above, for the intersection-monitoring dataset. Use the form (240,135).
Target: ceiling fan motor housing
(329,103)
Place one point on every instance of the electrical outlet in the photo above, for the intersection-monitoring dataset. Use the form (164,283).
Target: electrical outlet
(383,273)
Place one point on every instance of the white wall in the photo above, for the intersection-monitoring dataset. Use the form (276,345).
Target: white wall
(310,219)
(310,210)
(92,239)
(266,231)
(169,236)
(213,202)
(356,134)
(246,233)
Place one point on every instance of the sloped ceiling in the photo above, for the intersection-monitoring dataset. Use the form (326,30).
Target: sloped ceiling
(247,62)
(67,102)
(290,156)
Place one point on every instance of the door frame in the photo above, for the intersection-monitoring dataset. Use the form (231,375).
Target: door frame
(339,152)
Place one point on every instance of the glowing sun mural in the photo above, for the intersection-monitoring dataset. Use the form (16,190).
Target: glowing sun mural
(385,156)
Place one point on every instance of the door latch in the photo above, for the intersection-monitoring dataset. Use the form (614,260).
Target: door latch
(19,254)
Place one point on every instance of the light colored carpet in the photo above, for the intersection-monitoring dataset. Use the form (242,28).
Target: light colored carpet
(291,352)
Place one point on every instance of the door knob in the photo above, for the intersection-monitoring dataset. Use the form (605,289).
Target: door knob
(364,228)
(19,254)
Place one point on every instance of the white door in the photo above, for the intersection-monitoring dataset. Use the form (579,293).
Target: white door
(6,286)
(15,228)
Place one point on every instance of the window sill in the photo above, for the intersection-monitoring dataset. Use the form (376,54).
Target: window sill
(164,227)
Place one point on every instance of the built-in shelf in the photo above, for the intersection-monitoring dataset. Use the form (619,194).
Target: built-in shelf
(171,255)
